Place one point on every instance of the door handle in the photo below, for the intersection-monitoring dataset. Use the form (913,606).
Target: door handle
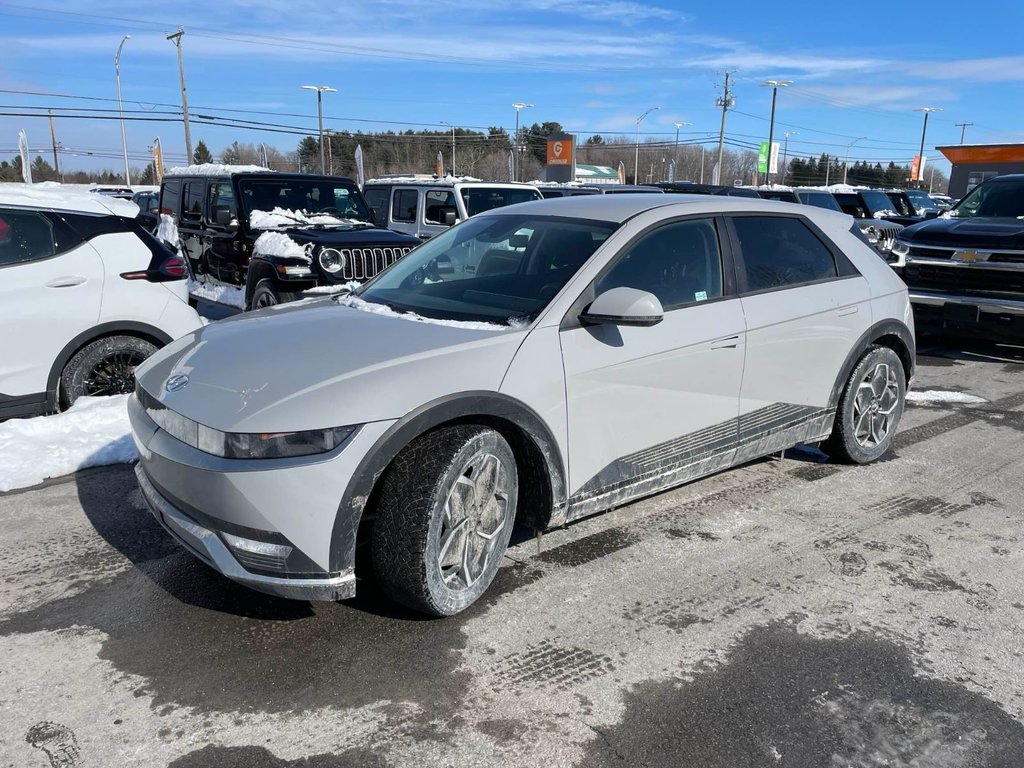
(68,281)
(728,343)
(843,311)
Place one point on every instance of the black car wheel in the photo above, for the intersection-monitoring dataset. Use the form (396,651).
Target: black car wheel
(265,294)
(104,367)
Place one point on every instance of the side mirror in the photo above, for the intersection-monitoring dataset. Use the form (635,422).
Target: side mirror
(624,306)
(450,218)
(931,213)
(221,215)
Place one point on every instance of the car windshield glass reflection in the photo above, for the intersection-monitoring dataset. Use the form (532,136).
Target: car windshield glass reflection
(496,269)
(333,203)
(1003,199)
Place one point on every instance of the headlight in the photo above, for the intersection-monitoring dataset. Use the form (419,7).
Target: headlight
(331,260)
(270,445)
(900,248)
(871,233)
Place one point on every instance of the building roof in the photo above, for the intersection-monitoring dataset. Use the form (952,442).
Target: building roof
(584,171)
(983,153)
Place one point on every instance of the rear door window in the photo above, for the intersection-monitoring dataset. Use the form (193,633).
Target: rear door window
(192,201)
(437,204)
(779,252)
(170,197)
(24,236)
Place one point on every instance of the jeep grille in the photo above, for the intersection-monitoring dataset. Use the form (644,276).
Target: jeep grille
(364,263)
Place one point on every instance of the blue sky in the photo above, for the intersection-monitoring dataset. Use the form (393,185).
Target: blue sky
(858,69)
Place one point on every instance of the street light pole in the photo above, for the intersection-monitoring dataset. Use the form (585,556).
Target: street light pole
(846,162)
(453,146)
(320,117)
(785,153)
(675,152)
(636,158)
(516,159)
(920,155)
(774,85)
(120,108)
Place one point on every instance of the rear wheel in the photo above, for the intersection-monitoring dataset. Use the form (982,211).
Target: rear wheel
(444,517)
(869,409)
(104,367)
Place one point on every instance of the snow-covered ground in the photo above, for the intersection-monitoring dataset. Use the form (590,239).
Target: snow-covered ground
(92,433)
(931,396)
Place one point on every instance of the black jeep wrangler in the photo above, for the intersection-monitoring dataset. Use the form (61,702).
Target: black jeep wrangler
(324,234)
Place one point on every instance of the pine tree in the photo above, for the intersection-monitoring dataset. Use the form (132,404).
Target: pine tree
(202,154)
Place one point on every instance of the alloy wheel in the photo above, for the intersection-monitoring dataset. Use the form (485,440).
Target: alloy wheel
(114,374)
(876,401)
(475,512)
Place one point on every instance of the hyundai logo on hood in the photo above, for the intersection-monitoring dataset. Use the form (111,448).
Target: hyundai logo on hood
(175,383)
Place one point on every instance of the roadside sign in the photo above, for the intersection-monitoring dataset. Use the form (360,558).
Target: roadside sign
(560,151)
(762,157)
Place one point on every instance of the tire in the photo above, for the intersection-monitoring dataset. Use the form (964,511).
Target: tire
(864,428)
(265,294)
(435,548)
(103,367)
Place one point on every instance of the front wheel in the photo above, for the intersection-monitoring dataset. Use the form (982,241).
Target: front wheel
(266,294)
(870,408)
(444,517)
(104,367)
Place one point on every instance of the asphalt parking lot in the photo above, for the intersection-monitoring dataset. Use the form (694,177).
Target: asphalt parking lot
(788,613)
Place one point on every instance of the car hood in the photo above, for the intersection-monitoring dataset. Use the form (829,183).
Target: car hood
(978,232)
(317,364)
(348,237)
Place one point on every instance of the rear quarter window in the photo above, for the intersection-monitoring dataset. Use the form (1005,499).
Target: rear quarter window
(780,252)
(170,197)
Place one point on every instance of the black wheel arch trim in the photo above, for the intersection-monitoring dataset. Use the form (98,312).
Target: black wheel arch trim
(870,336)
(458,407)
(103,330)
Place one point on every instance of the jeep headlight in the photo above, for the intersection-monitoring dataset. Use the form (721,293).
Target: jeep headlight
(331,260)
(871,233)
(270,445)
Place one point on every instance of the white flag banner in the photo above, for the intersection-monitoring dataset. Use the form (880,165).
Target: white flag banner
(439,166)
(714,174)
(672,170)
(263,156)
(773,158)
(360,178)
(26,167)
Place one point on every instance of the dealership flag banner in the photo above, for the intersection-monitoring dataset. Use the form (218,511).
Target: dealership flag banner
(672,170)
(263,156)
(439,166)
(158,160)
(762,157)
(622,173)
(773,161)
(714,174)
(26,167)
(917,168)
(510,165)
(359,165)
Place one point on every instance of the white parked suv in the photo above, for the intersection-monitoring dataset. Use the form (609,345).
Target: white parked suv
(86,294)
(536,363)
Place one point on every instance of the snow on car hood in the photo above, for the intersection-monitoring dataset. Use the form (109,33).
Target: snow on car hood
(317,364)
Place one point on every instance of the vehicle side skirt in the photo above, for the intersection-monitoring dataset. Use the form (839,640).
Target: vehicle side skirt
(676,462)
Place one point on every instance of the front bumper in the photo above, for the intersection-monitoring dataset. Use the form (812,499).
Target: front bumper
(995,319)
(208,547)
(274,525)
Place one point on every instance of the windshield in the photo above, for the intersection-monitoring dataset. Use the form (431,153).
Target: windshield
(480,199)
(922,200)
(1003,199)
(820,200)
(496,269)
(339,202)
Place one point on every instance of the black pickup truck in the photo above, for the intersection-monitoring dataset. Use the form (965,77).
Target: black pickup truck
(965,269)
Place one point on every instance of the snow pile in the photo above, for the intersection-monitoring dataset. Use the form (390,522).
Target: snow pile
(883,213)
(215,169)
(94,432)
(282,217)
(219,294)
(931,396)
(354,302)
(423,180)
(65,197)
(168,230)
(279,244)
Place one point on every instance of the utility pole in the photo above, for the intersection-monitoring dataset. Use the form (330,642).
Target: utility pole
(846,163)
(963,128)
(453,144)
(726,102)
(774,85)
(920,156)
(828,167)
(785,153)
(176,38)
(636,159)
(53,139)
(516,159)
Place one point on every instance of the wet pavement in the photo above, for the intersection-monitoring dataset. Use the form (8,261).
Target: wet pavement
(787,613)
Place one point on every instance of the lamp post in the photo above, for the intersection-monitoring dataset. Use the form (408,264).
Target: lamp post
(675,151)
(774,85)
(846,162)
(920,155)
(120,108)
(785,153)
(636,157)
(320,117)
(453,145)
(516,159)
